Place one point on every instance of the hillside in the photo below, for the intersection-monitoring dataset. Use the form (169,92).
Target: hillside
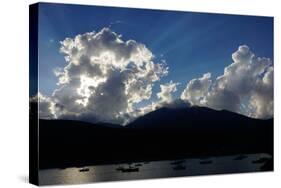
(163,134)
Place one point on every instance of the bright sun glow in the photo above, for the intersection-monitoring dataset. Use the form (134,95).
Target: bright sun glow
(86,88)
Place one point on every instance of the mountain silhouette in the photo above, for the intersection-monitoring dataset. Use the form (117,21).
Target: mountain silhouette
(191,117)
(164,134)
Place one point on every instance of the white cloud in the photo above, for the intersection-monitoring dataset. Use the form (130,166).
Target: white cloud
(245,87)
(197,89)
(104,77)
(166,90)
(165,99)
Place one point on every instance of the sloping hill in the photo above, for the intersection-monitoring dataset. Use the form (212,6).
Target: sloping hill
(163,134)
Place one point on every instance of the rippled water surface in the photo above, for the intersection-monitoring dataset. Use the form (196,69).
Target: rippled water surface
(154,169)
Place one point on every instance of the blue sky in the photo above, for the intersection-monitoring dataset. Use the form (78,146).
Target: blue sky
(191,43)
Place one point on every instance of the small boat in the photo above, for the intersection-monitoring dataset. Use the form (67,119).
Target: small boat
(179,167)
(206,162)
(130,169)
(84,169)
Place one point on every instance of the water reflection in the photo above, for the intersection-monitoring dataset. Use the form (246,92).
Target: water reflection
(155,169)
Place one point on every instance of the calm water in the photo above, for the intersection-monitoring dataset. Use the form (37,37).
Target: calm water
(155,169)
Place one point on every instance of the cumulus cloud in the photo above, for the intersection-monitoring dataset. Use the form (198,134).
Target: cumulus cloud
(196,89)
(245,87)
(104,77)
(166,90)
(165,99)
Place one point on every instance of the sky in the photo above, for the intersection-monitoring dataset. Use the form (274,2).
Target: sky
(190,44)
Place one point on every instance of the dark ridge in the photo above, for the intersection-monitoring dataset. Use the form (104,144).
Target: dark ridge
(165,134)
